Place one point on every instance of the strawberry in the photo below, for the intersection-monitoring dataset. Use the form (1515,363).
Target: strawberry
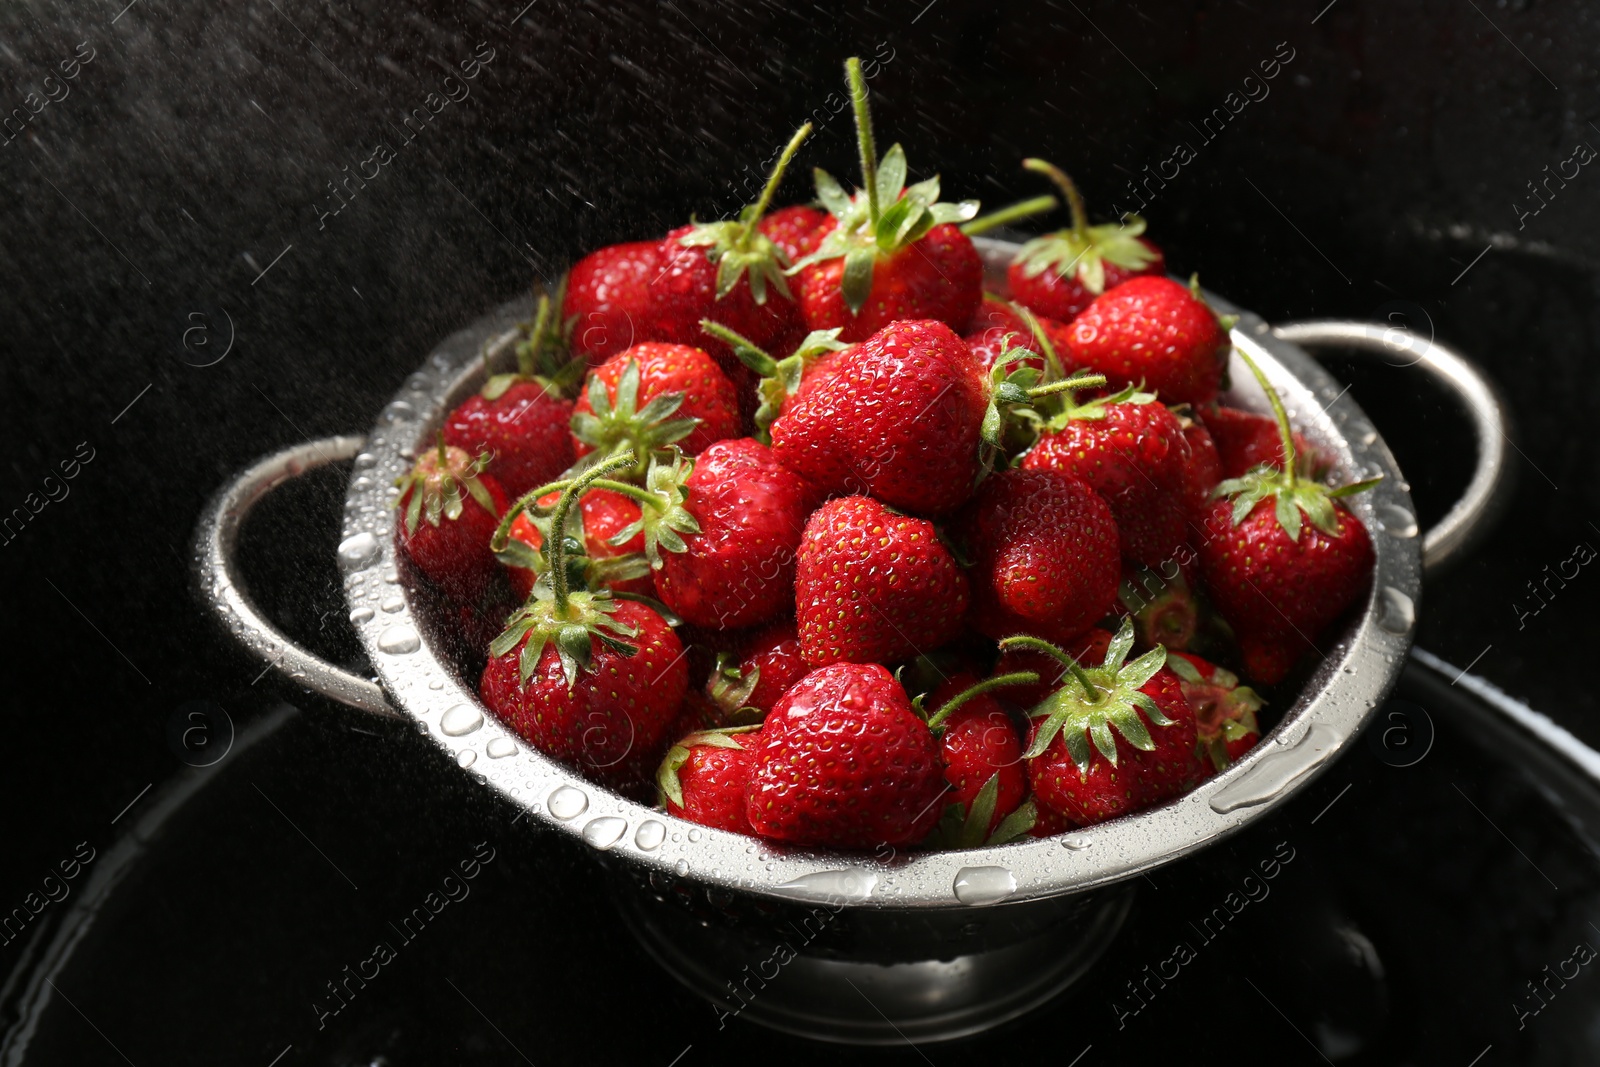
(1224,710)
(1244,440)
(449,508)
(608,299)
(520,420)
(776,380)
(653,395)
(983,763)
(600,515)
(588,680)
(1097,711)
(889,252)
(898,417)
(874,585)
(1165,611)
(729,271)
(1283,557)
(1132,450)
(999,327)
(1154,333)
(724,532)
(766,663)
(705,778)
(1060,273)
(796,230)
(1044,552)
(843,761)
(1205,463)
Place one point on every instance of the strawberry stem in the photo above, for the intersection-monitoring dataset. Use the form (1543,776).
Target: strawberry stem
(444,459)
(999,681)
(1080,213)
(1022,209)
(748,352)
(1278,413)
(528,354)
(770,190)
(558,524)
(1038,644)
(864,141)
(1082,381)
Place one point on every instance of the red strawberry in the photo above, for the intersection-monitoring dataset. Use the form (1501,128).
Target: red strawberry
(1142,759)
(651,396)
(588,680)
(730,526)
(601,515)
(729,271)
(1153,333)
(795,229)
(998,327)
(1205,464)
(983,762)
(449,509)
(766,664)
(1224,710)
(1245,440)
(609,300)
(1060,273)
(892,252)
(844,762)
(774,381)
(1044,552)
(874,585)
(1132,450)
(1165,611)
(897,418)
(706,779)
(1283,557)
(520,420)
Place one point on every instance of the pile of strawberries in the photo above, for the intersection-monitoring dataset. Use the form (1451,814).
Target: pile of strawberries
(799,524)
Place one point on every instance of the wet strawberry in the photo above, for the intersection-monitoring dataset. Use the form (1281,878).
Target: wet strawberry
(874,586)
(1224,710)
(1153,333)
(608,299)
(982,753)
(448,512)
(897,417)
(653,395)
(1282,557)
(892,252)
(1205,464)
(1245,440)
(844,762)
(1044,553)
(760,669)
(705,778)
(600,515)
(1087,647)
(795,229)
(1060,273)
(998,327)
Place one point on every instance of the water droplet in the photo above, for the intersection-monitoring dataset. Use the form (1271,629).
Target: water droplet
(398,411)
(1076,842)
(358,551)
(399,639)
(694,835)
(682,867)
(650,835)
(604,832)
(984,885)
(460,720)
(1369,437)
(501,747)
(366,459)
(361,615)
(466,758)
(361,483)
(1276,770)
(392,577)
(436,684)
(852,883)
(1396,612)
(393,604)
(1397,521)
(568,803)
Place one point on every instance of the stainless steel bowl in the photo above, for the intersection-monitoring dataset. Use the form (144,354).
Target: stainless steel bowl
(886,915)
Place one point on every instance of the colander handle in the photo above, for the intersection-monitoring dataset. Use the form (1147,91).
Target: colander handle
(223,588)
(1450,539)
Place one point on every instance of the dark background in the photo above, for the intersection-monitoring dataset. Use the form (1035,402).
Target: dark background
(194,150)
